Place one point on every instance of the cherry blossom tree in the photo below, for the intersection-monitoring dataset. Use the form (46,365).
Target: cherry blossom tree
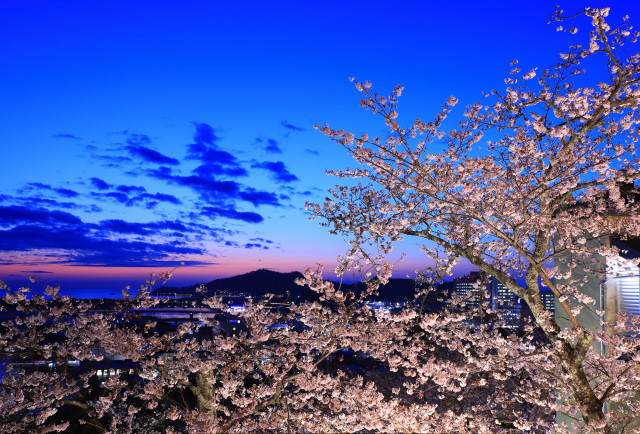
(420,373)
(528,188)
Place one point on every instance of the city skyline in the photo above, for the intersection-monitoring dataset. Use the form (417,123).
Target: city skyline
(139,136)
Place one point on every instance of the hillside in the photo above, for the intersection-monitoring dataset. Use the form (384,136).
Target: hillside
(260,282)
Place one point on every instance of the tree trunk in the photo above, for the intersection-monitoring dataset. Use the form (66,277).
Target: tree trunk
(205,392)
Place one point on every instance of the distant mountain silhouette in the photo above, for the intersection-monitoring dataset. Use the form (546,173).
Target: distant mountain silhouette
(258,283)
(168,291)
(394,291)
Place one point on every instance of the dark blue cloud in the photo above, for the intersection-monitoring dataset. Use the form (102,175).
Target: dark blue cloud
(79,243)
(115,260)
(34,225)
(258,198)
(160,197)
(131,188)
(36,272)
(217,192)
(64,192)
(312,152)
(255,246)
(230,213)
(66,136)
(291,127)
(270,145)
(123,195)
(300,193)
(34,236)
(137,139)
(32,201)
(279,171)
(123,227)
(205,185)
(212,169)
(163,172)
(100,184)
(214,160)
(262,240)
(173,225)
(210,155)
(211,180)
(14,214)
(117,196)
(137,146)
(150,155)
(38,186)
(205,134)
(113,161)
(122,252)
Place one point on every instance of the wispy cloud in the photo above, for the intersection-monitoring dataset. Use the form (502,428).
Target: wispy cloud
(79,243)
(100,184)
(278,170)
(230,213)
(66,136)
(133,197)
(214,161)
(291,127)
(247,246)
(64,192)
(131,189)
(312,152)
(12,215)
(273,147)
(255,246)
(205,189)
(262,240)
(269,145)
(210,179)
(136,145)
(257,197)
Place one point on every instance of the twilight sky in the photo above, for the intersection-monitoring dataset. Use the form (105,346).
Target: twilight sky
(139,134)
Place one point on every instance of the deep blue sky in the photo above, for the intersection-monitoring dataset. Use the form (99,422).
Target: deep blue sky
(138,134)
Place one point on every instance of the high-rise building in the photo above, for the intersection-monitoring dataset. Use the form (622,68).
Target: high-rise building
(494,295)
(548,299)
(506,304)
(465,289)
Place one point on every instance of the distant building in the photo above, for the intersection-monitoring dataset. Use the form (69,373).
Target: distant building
(465,288)
(383,306)
(506,304)
(548,299)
